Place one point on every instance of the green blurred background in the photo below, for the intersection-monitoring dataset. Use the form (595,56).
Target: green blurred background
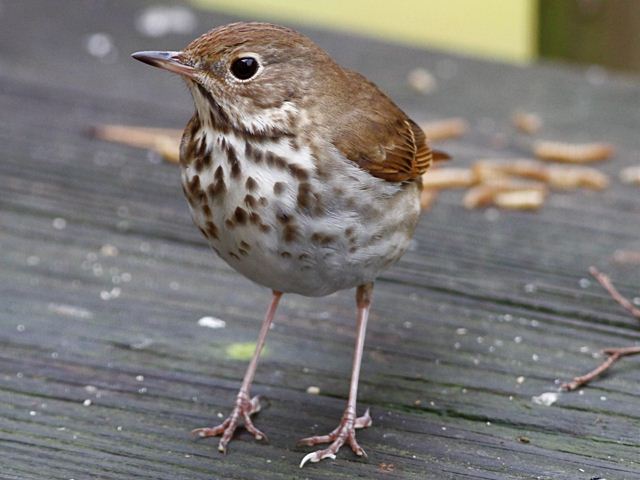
(605,32)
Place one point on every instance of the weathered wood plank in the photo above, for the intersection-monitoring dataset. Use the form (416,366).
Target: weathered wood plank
(483,314)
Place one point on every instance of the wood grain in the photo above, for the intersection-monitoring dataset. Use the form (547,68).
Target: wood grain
(102,306)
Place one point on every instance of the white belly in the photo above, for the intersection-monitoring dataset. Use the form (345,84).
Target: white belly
(329,234)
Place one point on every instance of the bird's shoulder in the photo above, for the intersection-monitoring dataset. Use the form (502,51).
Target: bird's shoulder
(378,136)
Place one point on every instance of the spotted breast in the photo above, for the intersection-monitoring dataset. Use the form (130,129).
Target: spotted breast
(287,218)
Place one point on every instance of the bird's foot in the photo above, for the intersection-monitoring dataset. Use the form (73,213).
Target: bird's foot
(345,432)
(244,408)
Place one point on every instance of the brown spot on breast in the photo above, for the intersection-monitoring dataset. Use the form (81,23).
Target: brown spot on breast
(240,215)
(243,252)
(251,184)
(211,230)
(206,211)
(253,153)
(303,256)
(264,228)
(263,201)
(293,144)
(232,158)
(229,223)
(278,188)
(188,196)
(201,155)
(298,172)
(353,249)
(283,217)
(323,239)
(254,218)
(245,245)
(290,233)
(250,201)
(304,195)
(285,254)
(233,255)
(196,192)
(327,240)
(236,170)
(276,161)
(218,186)
(349,231)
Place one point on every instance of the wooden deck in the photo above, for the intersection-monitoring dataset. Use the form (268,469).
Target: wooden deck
(104,368)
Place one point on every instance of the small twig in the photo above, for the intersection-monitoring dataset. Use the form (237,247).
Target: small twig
(606,283)
(614,354)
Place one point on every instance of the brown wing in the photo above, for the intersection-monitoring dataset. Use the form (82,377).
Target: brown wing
(379,137)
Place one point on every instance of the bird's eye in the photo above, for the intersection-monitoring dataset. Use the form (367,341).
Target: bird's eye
(244,68)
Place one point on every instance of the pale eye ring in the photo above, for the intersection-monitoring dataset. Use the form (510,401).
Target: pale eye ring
(244,68)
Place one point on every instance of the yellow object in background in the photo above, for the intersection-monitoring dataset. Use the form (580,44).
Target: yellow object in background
(499,29)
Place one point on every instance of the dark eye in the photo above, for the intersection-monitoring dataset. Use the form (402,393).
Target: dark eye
(244,68)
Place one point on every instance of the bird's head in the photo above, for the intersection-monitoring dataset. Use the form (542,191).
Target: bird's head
(254,75)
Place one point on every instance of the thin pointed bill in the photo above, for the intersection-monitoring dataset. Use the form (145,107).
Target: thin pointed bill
(166,60)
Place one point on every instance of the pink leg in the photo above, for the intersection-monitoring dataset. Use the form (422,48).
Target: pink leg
(346,430)
(245,406)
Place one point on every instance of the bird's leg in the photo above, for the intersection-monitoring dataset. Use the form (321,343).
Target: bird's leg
(346,430)
(245,405)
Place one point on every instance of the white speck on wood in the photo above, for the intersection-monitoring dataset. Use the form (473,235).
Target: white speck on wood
(547,399)
(212,322)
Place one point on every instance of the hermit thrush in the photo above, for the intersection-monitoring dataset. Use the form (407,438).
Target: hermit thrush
(302,175)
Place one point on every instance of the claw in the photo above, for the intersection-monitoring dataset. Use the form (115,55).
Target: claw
(315,457)
(244,408)
(345,432)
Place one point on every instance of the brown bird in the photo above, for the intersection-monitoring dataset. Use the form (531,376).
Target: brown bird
(303,176)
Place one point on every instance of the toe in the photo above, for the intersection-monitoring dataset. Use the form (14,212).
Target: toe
(251,428)
(311,441)
(357,449)
(210,432)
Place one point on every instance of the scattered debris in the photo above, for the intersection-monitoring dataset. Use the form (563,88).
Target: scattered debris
(427,197)
(161,20)
(69,310)
(444,129)
(313,390)
(613,354)
(450,177)
(506,193)
(164,141)
(627,257)
(631,175)
(562,177)
(526,122)
(386,467)
(547,399)
(212,322)
(523,439)
(573,152)
(422,81)
(101,45)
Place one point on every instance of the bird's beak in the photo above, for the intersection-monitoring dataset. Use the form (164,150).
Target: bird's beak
(171,61)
